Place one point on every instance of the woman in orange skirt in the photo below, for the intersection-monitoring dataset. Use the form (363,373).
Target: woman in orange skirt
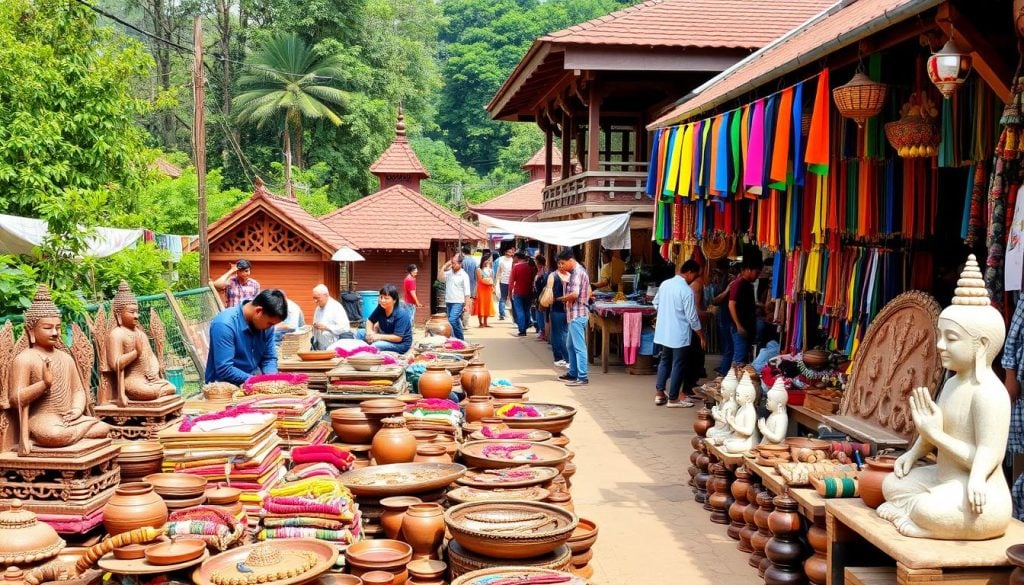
(484,306)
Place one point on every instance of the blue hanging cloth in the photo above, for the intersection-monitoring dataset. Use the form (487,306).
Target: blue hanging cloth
(778,275)
(798,135)
(722,168)
(653,165)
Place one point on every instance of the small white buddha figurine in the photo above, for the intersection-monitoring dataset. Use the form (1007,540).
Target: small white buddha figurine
(722,410)
(963,496)
(773,429)
(744,421)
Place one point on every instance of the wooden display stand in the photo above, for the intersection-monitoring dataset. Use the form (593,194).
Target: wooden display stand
(141,420)
(853,528)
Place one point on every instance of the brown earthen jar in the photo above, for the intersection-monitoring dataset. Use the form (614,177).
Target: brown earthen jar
(432,454)
(479,407)
(438,324)
(476,379)
(870,478)
(423,529)
(394,443)
(378,578)
(134,505)
(436,382)
(394,513)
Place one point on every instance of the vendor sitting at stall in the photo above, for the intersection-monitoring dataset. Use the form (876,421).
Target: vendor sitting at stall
(610,277)
(389,327)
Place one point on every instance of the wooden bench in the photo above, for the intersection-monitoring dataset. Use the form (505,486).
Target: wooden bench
(857,536)
(861,430)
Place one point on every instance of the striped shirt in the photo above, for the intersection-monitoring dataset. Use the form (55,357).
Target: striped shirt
(236,291)
(579,282)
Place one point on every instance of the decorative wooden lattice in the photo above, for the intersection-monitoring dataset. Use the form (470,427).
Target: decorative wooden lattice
(262,234)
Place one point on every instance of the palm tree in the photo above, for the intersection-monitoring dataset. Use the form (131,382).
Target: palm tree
(286,77)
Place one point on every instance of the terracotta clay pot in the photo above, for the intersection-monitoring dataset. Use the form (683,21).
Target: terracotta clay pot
(1015,554)
(703,423)
(449,444)
(423,529)
(870,478)
(378,578)
(438,324)
(394,443)
(134,505)
(436,382)
(432,454)
(394,513)
(476,379)
(479,407)
(353,426)
(426,572)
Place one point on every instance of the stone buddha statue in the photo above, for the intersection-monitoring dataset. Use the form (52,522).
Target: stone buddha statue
(128,357)
(725,408)
(963,495)
(773,429)
(744,420)
(46,393)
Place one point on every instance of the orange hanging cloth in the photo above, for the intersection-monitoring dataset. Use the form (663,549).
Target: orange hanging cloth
(816,156)
(780,147)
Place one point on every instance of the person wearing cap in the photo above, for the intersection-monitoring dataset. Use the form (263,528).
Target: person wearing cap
(238,284)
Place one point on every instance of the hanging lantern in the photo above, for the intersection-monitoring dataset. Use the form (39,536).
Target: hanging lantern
(860,98)
(949,68)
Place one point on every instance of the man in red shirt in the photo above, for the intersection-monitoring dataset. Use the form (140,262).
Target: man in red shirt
(520,286)
(409,299)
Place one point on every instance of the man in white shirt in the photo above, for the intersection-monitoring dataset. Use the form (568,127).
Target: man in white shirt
(330,321)
(456,293)
(677,321)
(503,273)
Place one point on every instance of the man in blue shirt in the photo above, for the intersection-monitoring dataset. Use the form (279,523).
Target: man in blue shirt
(677,320)
(242,339)
(389,327)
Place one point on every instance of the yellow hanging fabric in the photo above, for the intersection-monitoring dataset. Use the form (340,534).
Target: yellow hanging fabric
(672,182)
(686,162)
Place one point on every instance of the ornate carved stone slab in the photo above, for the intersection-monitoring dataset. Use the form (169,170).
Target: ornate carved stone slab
(141,420)
(74,485)
(898,354)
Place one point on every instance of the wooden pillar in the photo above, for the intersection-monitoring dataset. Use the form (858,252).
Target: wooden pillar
(548,144)
(593,128)
(566,145)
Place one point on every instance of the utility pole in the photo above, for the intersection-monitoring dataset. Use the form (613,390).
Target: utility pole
(199,148)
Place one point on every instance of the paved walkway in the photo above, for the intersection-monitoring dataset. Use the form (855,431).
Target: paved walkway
(631,474)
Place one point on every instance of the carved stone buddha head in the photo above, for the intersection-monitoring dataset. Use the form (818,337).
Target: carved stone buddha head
(42,320)
(971,330)
(125,306)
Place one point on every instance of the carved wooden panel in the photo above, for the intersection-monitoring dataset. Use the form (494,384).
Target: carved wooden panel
(898,354)
(263,234)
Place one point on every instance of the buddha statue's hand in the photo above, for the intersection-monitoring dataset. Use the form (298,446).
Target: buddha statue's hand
(138,343)
(70,416)
(47,374)
(903,464)
(977,493)
(761,426)
(926,414)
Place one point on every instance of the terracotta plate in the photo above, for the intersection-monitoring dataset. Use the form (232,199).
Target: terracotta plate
(175,552)
(539,455)
(532,435)
(327,555)
(144,567)
(315,356)
(508,478)
(398,479)
(465,494)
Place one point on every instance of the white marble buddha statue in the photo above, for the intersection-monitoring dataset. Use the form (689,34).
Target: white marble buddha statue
(963,495)
(722,410)
(773,428)
(744,420)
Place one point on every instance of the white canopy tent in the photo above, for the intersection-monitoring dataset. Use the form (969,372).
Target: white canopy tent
(18,235)
(612,230)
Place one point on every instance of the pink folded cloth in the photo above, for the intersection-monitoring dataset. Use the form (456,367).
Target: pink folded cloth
(631,325)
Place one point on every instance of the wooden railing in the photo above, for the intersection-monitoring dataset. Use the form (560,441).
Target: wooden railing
(627,183)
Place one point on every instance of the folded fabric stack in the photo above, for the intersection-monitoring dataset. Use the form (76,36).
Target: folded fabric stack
(434,414)
(217,526)
(298,418)
(315,507)
(238,446)
(387,379)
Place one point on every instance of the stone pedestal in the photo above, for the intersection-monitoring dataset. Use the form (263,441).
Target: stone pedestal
(141,420)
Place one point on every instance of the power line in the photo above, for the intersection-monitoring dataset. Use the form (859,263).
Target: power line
(135,28)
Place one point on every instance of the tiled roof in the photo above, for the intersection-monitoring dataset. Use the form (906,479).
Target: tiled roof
(829,32)
(528,197)
(537,160)
(399,158)
(735,24)
(398,218)
(287,211)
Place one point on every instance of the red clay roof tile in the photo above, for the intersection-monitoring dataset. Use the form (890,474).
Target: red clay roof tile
(537,160)
(528,197)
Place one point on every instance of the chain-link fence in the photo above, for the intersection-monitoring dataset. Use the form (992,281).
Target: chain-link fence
(186,320)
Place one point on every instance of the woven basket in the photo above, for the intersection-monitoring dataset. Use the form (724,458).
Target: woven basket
(860,98)
(717,246)
(913,136)
(219,390)
(462,561)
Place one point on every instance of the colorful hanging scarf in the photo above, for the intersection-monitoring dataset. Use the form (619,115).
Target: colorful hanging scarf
(753,175)
(780,144)
(817,155)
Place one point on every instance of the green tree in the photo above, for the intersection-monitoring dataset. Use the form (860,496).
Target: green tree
(286,78)
(173,203)
(143,267)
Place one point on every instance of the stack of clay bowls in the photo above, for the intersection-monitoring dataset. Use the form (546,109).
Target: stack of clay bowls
(179,490)
(580,542)
(139,459)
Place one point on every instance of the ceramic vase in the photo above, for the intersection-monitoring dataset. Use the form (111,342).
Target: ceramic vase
(423,529)
(476,379)
(431,454)
(436,382)
(394,443)
(134,505)
(438,324)
(870,478)
(703,423)
(394,513)
(479,407)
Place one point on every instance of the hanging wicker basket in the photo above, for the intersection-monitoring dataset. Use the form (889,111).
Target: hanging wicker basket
(860,99)
(716,246)
(913,136)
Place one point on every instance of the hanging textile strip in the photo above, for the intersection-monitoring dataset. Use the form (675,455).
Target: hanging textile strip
(996,236)
(671,172)
(780,144)
(817,155)
(653,168)
(966,217)
(662,162)
(685,188)
(721,180)
(796,161)
(864,195)
(947,139)
(753,174)
(977,205)
(777,260)
(707,158)
(771,112)
(735,151)
(698,158)
(677,220)
(888,198)
(873,132)
(808,213)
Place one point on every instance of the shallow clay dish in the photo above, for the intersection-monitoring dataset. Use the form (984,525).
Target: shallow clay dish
(179,503)
(293,549)
(534,455)
(512,477)
(523,574)
(508,529)
(177,485)
(222,495)
(144,567)
(174,552)
(378,554)
(583,537)
(139,449)
(463,494)
(316,356)
(398,479)
(554,418)
(365,363)
(382,406)
(131,551)
(531,435)
(338,579)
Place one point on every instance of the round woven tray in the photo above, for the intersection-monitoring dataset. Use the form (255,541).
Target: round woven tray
(716,247)
(462,561)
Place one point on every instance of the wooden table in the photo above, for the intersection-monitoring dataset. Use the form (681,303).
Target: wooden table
(730,460)
(607,318)
(856,535)
(860,430)
(811,504)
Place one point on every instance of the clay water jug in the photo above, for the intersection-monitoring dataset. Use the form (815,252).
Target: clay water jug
(870,478)
(394,513)
(703,422)
(134,505)
(436,382)
(423,529)
(438,324)
(476,379)
(479,407)
(394,443)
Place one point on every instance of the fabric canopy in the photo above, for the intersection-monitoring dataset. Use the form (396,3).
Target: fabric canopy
(18,235)
(613,230)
